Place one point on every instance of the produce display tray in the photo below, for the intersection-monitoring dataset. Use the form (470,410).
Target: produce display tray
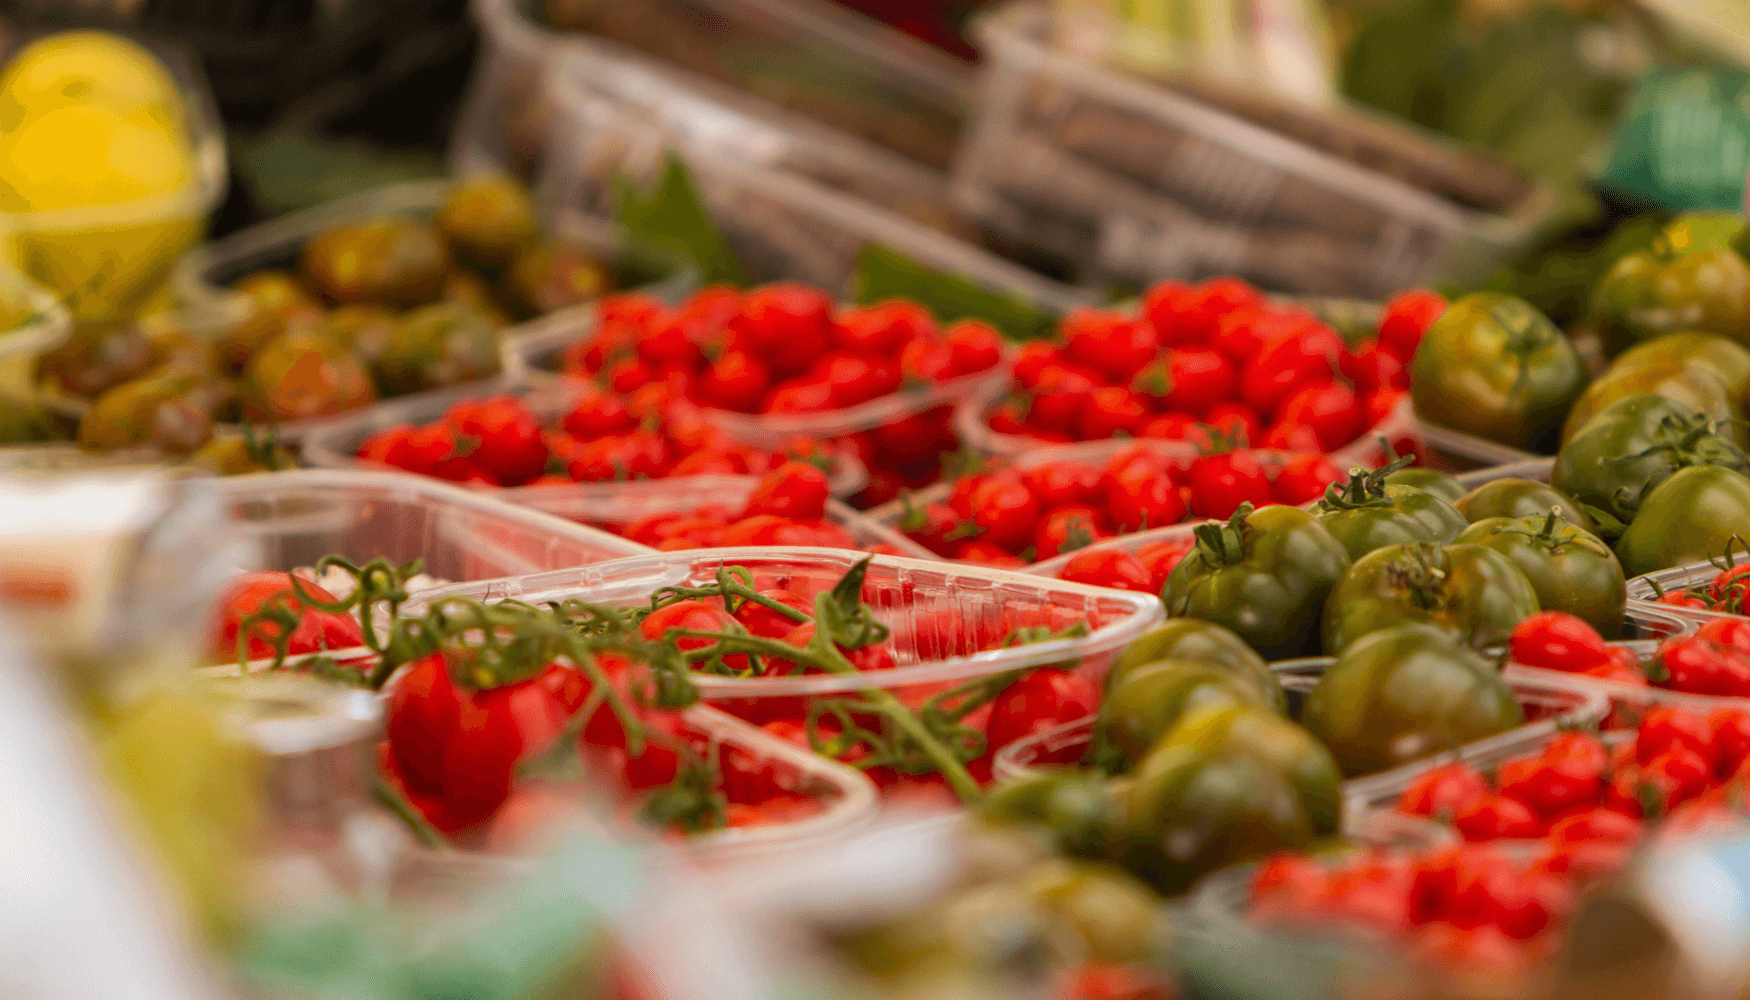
(1137,181)
(1467,452)
(201,275)
(830,65)
(781,226)
(1550,700)
(296,518)
(1643,592)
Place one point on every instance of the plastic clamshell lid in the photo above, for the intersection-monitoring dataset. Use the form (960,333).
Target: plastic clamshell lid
(905,594)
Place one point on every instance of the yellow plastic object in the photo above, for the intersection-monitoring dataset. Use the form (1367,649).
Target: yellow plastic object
(80,67)
(32,323)
(105,244)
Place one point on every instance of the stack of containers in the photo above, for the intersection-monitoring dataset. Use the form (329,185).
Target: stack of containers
(861,76)
(945,621)
(1130,179)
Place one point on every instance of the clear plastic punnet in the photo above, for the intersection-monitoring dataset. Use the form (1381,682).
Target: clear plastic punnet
(298,517)
(948,624)
(335,445)
(1550,702)
(832,66)
(1537,470)
(1127,178)
(1644,591)
(201,275)
(104,261)
(1459,450)
(782,226)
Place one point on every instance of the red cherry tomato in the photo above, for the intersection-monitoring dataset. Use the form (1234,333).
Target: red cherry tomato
(976,347)
(1444,791)
(1111,343)
(1332,410)
(1112,411)
(1555,640)
(316,629)
(1066,530)
(1304,477)
(1112,568)
(883,329)
(1045,698)
(1004,512)
(788,325)
(1220,483)
(1407,317)
(737,381)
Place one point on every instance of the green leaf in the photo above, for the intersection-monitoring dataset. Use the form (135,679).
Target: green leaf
(671,215)
(885,273)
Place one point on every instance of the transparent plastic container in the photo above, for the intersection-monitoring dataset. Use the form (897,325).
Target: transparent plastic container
(941,616)
(298,517)
(1644,590)
(201,276)
(1537,470)
(1135,181)
(335,445)
(1551,703)
(1458,450)
(829,65)
(972,424)
(781,226)
(104,261)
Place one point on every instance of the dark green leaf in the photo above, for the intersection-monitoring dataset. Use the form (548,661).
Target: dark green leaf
(671,215)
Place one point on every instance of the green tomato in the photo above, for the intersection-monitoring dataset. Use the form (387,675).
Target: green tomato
(1200,642)
(1698,372)
(1405,693)
(1191,811)
(1472,591)
(446,343)
(1493,366)
(1115,915)
(1630,448)
(1371,514)
(1443,485)
(1264,574)
(1569,569)
(1689,279)
(1686,519)
(1293,751)
(1521,498)
(1075,807)
(1150,700)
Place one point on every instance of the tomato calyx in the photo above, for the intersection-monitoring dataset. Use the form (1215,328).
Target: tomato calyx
(1416,574)
(1224,544)
(1364,488)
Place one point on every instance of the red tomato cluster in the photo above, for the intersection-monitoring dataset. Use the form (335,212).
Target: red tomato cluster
(603,438)
(1012,517)
(788,507)
(1218,354)
(1714,660)
(785,349)
(317,630)
(453,752)
(1725,592)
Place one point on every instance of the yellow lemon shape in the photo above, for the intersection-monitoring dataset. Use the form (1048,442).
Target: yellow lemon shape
(87,67)
(119,196)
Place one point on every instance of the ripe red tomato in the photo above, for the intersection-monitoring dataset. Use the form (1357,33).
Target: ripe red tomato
(1289,362)
(1032,359)
(1304,477)
(507,442)
(691,616)
(1236,420)
(1220,483)
(1059,484)
(1444,791)
(1045,698)
(1666,728)
(763,621)
(1373,368)
(1212,300)
(1731,738)
(985,553)
(1141,501)
(1496,817)
(1059,398)
(927,359)
(737,381)
(316,630)
(976,347)
(798,395)
(1111,411)
(598,414)
(1110,343)
(883,329)
(856,378)
(1112,568)
(1164,305)
(1066,530)
(1004,512)
(788,325)
(1159,558)
(1555,640)
(1332,410)
(1406,318)
(1595,824)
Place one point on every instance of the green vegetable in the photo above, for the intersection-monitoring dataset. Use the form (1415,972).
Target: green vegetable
(1686,519)
(1631,447)
(1368,514)
(1472,591)
(1569,569)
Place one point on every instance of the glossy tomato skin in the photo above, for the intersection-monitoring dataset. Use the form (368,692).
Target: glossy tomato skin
(1303,478)
(1686,519)
(1045,698)
(1202,642)
(1405,692)
(1473,591)
(1407,317)
(1493,366)
(1220,483)
(1266,578)
(795,490)
(316,629)
(1514,497)
(1555,640)
(1369,514)
(1569,569)
(1441,484)
(1112,568)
